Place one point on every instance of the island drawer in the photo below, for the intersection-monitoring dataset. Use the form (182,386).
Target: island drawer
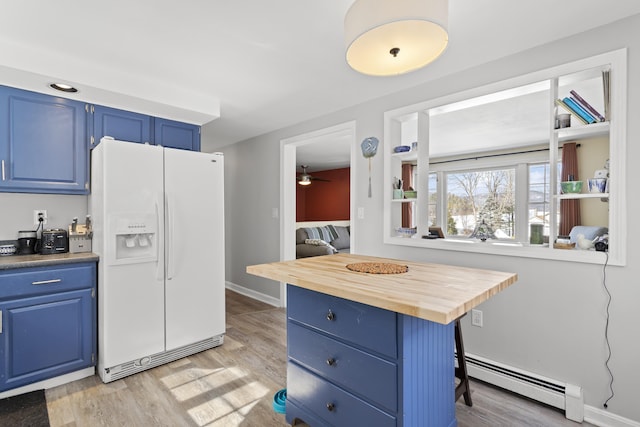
(45,280)
(363,325)
(334,405)
(372,377)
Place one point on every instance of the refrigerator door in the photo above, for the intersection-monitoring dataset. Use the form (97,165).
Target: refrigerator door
(127,209)
(195,300)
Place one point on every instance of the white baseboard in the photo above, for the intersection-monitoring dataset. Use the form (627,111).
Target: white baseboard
(50,383)
(602,418)
(253,294)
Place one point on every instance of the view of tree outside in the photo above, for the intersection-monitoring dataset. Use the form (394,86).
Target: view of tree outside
(474,196)
(539,194)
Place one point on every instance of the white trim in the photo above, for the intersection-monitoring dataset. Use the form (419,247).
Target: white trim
(603,418)
(268,299)
(51,382)
(394,119)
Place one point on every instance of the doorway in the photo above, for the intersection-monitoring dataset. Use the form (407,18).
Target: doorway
(288,148)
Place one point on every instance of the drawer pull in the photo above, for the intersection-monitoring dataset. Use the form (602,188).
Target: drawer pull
(331,316)
(330,407)
(46,282)
(331,361)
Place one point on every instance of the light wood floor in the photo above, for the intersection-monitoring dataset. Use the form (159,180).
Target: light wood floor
(233,385)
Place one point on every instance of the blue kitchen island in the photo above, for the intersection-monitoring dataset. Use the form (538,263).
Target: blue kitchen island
(375,348)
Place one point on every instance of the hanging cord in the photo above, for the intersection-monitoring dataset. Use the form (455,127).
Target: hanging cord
(606,330)
(40,222)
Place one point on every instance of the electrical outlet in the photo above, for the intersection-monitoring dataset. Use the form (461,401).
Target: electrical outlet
(476,318)
(40,213)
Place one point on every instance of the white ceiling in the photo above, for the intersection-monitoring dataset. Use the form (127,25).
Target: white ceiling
(259,65)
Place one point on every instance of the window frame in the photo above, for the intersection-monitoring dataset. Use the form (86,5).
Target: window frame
(395,120)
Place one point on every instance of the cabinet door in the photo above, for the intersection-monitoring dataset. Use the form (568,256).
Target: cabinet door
(120,124)
(42,143)
(46,336)
(170,133)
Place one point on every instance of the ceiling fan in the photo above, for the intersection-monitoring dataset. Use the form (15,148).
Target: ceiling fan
(305,179)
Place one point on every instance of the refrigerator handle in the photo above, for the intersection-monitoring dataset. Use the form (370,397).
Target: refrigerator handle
(159,244)
(169,241)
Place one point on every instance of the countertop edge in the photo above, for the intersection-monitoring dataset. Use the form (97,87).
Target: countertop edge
(29,261)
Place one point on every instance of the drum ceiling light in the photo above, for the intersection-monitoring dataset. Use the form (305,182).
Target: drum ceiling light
(386,38)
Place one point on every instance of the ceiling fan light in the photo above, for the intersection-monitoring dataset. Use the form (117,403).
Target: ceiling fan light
(304,180)
(385,38)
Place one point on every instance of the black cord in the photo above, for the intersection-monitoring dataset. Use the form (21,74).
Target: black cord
(606,330)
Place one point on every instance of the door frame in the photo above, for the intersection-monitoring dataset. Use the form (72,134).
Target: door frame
(288,149)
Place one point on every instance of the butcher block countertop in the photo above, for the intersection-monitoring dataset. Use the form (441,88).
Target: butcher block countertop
(436,292)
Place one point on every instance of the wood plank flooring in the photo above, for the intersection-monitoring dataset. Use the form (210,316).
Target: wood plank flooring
(234,384)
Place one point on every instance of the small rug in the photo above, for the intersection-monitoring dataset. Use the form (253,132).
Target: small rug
(378,268)
(24,410)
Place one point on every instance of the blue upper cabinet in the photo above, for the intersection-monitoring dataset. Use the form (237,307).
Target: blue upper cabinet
(120,124)
(134,127)
(42,143)
(170,133)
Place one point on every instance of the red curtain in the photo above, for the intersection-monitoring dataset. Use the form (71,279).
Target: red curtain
(407,181)
(569,209)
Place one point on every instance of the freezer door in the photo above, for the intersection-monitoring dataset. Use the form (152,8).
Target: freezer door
(127,191)
(195,300)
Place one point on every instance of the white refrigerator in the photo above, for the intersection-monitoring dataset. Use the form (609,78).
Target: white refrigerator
(158,227)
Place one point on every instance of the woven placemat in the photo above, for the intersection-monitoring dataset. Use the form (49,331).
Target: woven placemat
(378,268)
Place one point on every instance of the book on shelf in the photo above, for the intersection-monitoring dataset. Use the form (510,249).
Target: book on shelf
(584,104)
(561,103)
(607,93)
(571,106)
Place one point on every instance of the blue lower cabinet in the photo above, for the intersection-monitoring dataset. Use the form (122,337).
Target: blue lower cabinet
(354,364)
(49,324)
(332,403)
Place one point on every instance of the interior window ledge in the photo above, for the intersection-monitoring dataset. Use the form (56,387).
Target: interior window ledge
(515,249)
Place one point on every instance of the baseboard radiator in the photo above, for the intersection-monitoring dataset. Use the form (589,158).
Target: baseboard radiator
(129,368)
(567,397)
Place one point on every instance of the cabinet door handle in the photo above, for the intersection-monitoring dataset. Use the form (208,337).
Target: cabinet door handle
(0,321)
(46,282)
(3,175)
(330,407)
(331,361)
(331,316)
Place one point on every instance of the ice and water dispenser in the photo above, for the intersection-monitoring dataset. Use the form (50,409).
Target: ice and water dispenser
(135,238)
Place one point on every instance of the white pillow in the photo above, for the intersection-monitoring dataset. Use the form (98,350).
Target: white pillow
(320,242)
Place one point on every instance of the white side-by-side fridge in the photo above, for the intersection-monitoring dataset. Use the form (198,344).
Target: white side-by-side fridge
(158,224)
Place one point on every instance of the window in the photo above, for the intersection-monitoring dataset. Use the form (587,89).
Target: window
(539,207)
(485,196)
(493,154)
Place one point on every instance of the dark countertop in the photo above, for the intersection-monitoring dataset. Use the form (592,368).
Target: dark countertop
(26,261)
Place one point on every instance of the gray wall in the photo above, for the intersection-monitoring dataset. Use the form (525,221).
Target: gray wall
(552,321)
(16,211)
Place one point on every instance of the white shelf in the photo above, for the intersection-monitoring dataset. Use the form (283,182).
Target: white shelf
(570,196)
(406,155)
(584,131)
(403,200)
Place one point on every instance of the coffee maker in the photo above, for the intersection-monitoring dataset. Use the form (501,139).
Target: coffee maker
(27,241)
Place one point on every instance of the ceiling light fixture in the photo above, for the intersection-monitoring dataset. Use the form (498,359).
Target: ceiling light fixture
(63,87)
(386,38)
(305,180)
